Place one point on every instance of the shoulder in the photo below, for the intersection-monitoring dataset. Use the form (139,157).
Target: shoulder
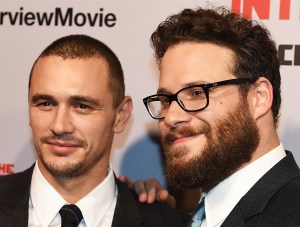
(281,190)
(274,199)
(282,209)
(16,180)
(287,198)
(14,197)
(283,185)
(156,214)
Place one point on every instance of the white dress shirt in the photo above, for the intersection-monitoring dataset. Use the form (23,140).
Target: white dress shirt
(221,200)
(97,207)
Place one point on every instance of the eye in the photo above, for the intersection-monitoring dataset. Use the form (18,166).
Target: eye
(82,106)
(44,106)
(164,101)
(196,93)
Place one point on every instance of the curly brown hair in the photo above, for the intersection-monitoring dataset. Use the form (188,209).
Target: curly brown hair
(255,52)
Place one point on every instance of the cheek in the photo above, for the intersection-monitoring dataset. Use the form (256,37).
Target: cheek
(162,127)
(38,123)
(93,129)
(206,116)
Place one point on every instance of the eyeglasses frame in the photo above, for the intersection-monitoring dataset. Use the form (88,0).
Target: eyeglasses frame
(205,87)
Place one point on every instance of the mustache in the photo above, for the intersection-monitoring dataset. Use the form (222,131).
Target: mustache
(187,131)
(66,138)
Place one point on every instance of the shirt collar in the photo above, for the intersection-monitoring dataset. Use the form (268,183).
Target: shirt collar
(218,206)
(93,206)
(42,194)
(96,203)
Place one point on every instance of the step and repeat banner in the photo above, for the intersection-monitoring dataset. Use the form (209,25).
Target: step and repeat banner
(27,27)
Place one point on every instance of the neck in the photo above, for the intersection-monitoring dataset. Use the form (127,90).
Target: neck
(72,189)
(268,141)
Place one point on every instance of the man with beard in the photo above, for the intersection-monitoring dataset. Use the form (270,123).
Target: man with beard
(77,103)
(217,107)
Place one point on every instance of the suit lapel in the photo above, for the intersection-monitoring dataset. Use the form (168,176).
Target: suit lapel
(260,194)
(15,199)
(126,212)
(235,219)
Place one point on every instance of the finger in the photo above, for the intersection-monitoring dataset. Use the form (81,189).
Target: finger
(153,187)
(126,180)
(140,190)
(151,195)
(165,197)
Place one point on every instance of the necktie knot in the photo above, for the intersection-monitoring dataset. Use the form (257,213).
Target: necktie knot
(71,215)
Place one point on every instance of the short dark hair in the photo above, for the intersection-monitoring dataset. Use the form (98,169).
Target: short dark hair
(83,46)
(255,52)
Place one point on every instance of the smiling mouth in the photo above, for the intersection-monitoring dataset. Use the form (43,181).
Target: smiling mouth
(62,144)
(185,134)
(183,139)
(62,148)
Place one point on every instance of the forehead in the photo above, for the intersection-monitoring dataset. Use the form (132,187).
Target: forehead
(192,63)
(57,76)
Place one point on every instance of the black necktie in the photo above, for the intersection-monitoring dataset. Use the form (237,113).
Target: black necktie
(70,216)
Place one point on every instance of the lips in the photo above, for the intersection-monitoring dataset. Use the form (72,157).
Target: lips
(184,134)
(62,148)
(64,144)
(171,138)
(184,138)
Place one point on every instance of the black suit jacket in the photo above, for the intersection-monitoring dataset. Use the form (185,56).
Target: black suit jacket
(14,200)
(273,201)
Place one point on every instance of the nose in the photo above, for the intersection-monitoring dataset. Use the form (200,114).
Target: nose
(62,122)
(176,116)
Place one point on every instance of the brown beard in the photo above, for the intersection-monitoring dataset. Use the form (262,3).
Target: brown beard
(230,143)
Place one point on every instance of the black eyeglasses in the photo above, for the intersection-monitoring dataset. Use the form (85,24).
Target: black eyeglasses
(192,98)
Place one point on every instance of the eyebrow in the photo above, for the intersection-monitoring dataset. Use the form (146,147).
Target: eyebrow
(38,97)
(164,90)
(85,99)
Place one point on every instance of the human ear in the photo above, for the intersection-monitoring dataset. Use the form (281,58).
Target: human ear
(123,114)
(262,97)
